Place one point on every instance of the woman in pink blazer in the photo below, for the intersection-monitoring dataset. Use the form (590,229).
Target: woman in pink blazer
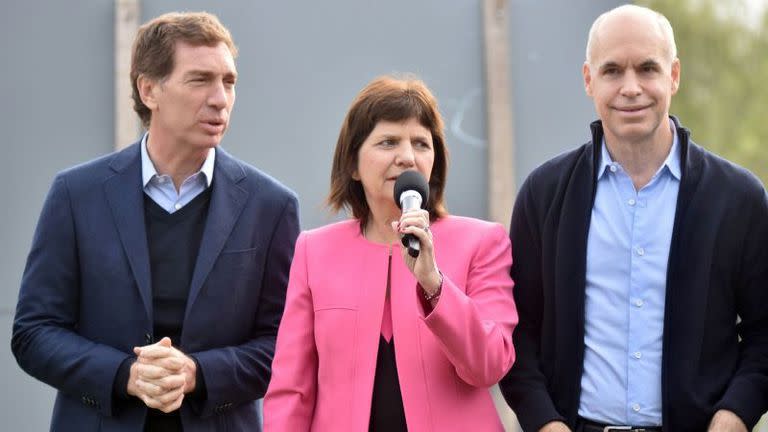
(372,338)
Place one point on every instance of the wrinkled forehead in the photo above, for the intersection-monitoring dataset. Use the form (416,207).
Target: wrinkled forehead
(215,58)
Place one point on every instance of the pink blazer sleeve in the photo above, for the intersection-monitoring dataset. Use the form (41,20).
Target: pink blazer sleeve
(290,400)
(474,324)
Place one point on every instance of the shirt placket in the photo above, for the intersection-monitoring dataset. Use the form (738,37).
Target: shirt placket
(632,207)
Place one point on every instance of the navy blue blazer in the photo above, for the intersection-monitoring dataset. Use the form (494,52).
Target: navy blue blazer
(86,299)
(717,271)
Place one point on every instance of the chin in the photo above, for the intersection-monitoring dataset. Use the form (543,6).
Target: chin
(210,141)
(627,129)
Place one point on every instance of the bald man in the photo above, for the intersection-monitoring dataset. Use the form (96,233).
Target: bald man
(640,262)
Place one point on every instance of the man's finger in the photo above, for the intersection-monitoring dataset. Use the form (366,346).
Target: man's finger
(156,351)
(152,372)
(176,404)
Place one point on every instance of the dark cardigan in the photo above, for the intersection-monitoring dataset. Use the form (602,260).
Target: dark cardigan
(717,270)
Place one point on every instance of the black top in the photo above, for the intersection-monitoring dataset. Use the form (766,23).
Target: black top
(718,270)
(174,241)
(387,413)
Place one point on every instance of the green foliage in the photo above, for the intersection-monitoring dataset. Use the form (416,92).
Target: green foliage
(723,96)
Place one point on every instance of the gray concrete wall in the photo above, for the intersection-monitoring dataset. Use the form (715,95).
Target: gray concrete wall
(300,67)
(56,92)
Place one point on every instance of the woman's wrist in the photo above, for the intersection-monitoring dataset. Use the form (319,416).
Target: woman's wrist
(432,288)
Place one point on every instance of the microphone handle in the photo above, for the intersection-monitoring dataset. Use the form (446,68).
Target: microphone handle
(412,243)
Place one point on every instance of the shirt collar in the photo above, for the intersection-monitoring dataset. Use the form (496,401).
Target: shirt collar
(148,171)
(672,162)
(605,159)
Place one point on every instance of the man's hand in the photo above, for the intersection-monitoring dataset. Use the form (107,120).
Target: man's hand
(161,376)
(555,426)
(164,355)
(726,421)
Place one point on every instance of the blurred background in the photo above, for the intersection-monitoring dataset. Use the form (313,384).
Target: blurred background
(507,75)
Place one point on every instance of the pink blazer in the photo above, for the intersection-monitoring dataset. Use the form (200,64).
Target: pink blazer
(322,374)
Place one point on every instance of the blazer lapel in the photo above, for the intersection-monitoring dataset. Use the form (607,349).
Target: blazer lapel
(125,196)
(227,202)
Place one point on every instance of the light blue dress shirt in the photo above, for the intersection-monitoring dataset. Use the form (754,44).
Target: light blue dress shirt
(627,254)
(160,187)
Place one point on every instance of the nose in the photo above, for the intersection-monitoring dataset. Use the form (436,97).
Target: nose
(405,156)
(631,86)
(219,96)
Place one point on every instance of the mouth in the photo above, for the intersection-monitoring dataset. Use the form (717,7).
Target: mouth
(214,126)
(632,109)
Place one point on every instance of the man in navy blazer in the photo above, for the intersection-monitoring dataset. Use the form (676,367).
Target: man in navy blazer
(156,279)
(640,262)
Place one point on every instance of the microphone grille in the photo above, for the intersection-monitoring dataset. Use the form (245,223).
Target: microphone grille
(412,180)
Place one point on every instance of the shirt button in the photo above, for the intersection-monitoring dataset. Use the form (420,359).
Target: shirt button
(639,303)
(161,179)
(640,251)
(638,354)
(177,206)
(635,407)
(613,168)
(632,202)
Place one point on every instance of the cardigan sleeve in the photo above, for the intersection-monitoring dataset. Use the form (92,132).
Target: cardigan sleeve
(290,400)
(525,386)
(474,325)
(747,393)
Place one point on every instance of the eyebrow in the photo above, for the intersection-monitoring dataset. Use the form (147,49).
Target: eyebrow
(646,63)
(389,137)
(610,64)
(208,74)
(396,137)
(650,62)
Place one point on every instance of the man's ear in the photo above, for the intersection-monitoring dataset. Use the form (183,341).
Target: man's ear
(587,74)
(675,75)
(147,91)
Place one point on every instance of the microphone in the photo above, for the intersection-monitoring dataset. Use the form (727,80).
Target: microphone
(411,193)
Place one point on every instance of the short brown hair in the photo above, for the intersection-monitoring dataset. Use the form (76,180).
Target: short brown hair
(391,99)
(155,47)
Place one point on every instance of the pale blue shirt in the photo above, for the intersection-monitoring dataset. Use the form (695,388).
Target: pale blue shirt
(160,187)
(627,253)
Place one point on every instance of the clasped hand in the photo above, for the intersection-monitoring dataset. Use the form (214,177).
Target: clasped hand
(161,375)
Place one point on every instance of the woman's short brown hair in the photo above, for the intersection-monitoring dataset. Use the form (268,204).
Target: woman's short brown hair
(155,47)
(390,99)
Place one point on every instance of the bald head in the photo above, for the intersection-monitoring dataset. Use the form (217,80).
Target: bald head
(636,15)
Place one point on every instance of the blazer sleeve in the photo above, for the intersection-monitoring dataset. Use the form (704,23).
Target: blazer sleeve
(45,341)
(290,401)
(747,393)
(241,373)
(474,325)
(525,386)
